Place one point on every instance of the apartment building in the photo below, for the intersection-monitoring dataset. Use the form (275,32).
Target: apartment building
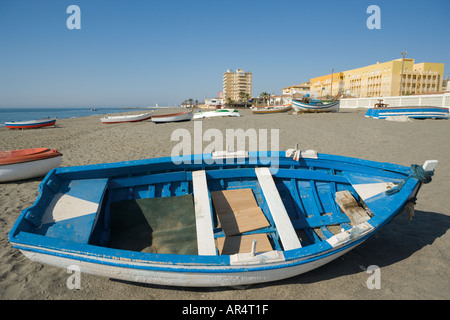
(422,77)
(327,86)
(236,82)
(383,80)
(297,89)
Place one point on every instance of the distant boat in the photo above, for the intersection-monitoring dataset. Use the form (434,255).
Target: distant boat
(174,117)
(31,124)
(382,111)
(217,113)
(271,109)
(127,118)
(93,109)
(217,219)
(27,163)
(315,106)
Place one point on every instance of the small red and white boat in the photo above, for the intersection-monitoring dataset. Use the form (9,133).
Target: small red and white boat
(173,117)
(31,124)
(27,163)
(127,118)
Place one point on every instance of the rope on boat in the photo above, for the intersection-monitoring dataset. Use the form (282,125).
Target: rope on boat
(421,174)
(416,172)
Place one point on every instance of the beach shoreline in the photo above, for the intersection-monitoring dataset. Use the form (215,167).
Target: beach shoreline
(413,256)
(18,114)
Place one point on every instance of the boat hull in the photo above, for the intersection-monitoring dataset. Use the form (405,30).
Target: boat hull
(129,118)
(173,117)
(28,170)
(32,124)
(211,277)
(79,234)
(301,107)
(410,112)
(216,113)
(270,110)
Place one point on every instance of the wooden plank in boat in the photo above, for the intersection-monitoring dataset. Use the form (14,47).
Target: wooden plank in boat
(243,244)
(203,217)
(286,231)
(233,200)
(350,207)
(238,211)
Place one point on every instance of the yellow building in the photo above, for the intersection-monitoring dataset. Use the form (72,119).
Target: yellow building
(236,82)
(384,79)
(327,86)
(424,77)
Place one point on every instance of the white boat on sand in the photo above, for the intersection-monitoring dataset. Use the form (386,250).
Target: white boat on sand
(271,109)
(127,118)
(24,164)
(173,117)
(217,113)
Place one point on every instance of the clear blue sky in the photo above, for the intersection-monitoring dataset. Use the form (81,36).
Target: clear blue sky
(138,53)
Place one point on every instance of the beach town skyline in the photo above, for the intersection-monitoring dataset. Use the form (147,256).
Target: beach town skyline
(143,54)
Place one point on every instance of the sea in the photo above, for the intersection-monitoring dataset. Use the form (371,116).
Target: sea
(23,114)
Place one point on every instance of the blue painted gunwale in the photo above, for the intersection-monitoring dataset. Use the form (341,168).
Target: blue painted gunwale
(24,240)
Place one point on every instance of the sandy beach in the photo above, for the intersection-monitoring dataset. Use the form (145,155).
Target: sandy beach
(414,257)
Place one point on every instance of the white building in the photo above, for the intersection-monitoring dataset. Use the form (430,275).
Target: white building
(214,102)
(280,100)
(297,90)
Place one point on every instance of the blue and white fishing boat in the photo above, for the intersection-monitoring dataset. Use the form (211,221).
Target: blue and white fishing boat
(315,106)
(422,112)
(216,219)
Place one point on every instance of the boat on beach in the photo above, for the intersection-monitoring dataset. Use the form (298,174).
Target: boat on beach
(127,118)
(174,117)
(210,220)
(31,124)
(271,109)
(315,106)
(24,164)
(382,111)
(216,113)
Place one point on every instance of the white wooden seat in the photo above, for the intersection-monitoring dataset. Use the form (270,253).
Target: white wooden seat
(203,214)
(286,231)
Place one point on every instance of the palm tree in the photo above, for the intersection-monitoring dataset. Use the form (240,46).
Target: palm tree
(265,96)
(242,96)
(229,101)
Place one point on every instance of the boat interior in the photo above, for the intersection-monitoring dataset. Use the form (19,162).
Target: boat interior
(199,209)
